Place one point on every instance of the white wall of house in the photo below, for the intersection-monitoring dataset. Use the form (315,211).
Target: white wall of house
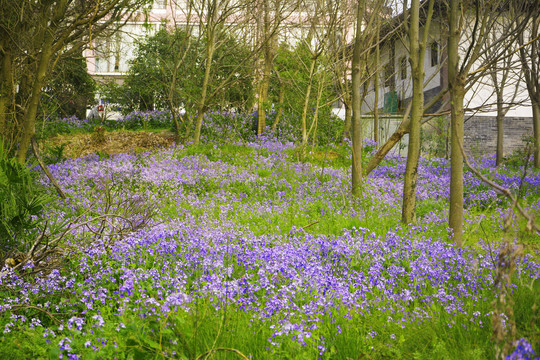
(480,98)
(402,74)
(111,56)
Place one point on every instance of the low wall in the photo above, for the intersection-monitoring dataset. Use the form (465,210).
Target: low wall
(480,134)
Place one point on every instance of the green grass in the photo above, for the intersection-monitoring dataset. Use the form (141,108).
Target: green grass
(207,330)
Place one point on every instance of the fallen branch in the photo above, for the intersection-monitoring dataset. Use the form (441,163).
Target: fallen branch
(46,170)
(309,225)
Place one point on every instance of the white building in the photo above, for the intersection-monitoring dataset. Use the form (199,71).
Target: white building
(395,91)
(109,58)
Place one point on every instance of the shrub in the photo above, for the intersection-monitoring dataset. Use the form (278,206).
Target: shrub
(21,202)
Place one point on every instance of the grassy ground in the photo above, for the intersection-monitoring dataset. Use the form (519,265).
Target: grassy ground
(255,252)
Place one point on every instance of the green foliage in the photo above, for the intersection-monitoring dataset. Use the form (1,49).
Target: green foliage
(293,67)
(69,91)
(522,156)
(169,69)
(435,139)
(292,77)
(54,154)
(21,201)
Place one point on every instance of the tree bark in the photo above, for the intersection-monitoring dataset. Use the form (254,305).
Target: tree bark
(456,83)
(536,130)
(376,87)
(356,167)
(348,123)
(417,49)
(408,209)
(29,119)
(500,130)
(281,100)
(210,48)
(530,62)
(305,108)
(6,96)
(269,50)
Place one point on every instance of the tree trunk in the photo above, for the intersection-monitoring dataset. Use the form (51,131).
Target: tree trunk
(348,123)
(306,104)
(530,62)
(417,49)
(346,97)
(267,69)
(376,87)
(408,210)
(536,130)
(29,117)
(6,96)
(356,167)
(456,84)
(201,108)
(500,130)
(280,105)
(456,163)
(313,126)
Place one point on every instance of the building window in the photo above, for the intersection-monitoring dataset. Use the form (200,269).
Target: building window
(105,56)
(111,54)
(434,53)
(159,4)
(403,67)
(389,80)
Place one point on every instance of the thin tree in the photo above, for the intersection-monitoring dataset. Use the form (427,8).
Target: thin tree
(274,13)
(217,17)
(417,51)
(356,167)
(504,72)
(530,61)
(33,36)
(471,33)
(366,34)
(457,82)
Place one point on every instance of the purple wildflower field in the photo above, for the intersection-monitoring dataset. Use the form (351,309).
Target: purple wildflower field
(274,241)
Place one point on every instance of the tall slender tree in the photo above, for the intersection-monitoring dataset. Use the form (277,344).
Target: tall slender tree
(457,81)
(469,29)
(357,103)
(33,36)
(366,35)
(417,51)
(530,61)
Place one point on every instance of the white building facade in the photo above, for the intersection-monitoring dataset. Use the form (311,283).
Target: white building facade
(395,92)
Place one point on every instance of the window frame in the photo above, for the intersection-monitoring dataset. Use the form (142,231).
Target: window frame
(403,68)
(434,50)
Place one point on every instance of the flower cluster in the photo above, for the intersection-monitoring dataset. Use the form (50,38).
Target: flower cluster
(235,232)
